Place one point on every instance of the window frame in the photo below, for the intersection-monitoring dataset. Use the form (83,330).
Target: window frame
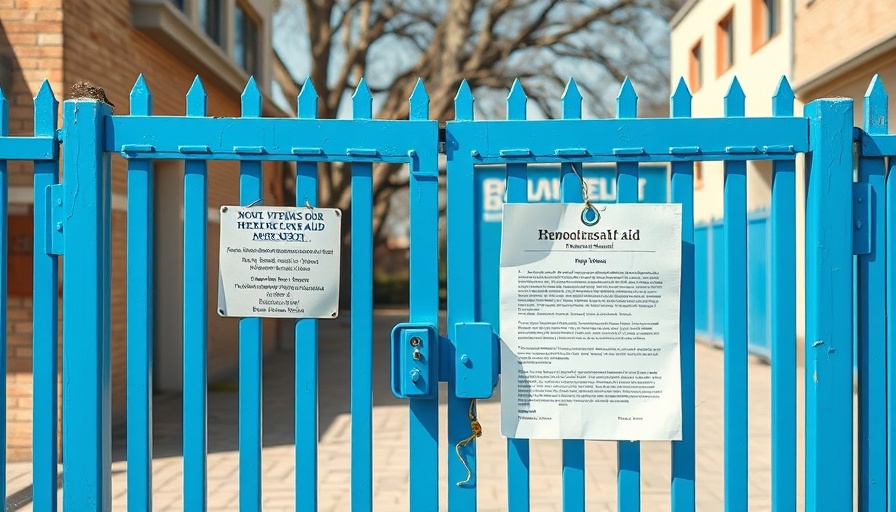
(695,66)
(211,20)
(725,50)
(766,22)
(243,39)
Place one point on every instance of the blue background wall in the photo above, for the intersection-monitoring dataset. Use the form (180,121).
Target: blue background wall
(544,187)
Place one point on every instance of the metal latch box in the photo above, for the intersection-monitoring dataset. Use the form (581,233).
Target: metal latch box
(477,361)
(415,364)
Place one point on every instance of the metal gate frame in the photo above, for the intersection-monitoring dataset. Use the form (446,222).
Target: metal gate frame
(73,219)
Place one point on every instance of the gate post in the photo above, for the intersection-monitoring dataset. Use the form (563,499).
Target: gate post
(829,307)
(86,394)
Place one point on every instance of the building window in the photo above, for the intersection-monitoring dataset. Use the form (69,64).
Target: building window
(245,40)
(695,67)
(179,4)
(725,43)
(210,12)
(766,21)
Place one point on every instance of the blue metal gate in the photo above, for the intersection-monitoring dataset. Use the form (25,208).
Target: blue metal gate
(73,219)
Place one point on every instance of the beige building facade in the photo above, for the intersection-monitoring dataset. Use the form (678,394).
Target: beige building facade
(110,44)
(839,49)
(714,41)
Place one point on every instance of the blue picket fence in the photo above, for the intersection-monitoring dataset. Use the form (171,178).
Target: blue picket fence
(710,282)
(73,218)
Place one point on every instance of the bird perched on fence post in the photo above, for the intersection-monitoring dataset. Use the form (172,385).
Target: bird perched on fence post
(86,90)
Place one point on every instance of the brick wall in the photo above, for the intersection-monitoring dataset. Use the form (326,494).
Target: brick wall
(99,45)
(828,33)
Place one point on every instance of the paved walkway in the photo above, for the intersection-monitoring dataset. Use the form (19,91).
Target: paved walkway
(390,457)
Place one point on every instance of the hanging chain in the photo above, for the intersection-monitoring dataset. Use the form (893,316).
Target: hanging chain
(476,430)
(584,185)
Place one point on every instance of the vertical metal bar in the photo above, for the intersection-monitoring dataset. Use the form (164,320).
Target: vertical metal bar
(570,192)
(890,228)
(362,318)
(424,305)
(871,319)
(518,493)
(683,452)
(140,317)
(829,329)
(4,236)
(86,386)
(735,354)
(461,304)
(306,348)
(251,343)
(45,315)
(628,453)
(783,319)
(195,343)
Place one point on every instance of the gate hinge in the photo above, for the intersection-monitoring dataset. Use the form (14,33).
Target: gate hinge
(861,218)
(54,218)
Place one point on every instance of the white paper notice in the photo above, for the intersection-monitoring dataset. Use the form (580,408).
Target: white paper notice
(279,262)
(589,322)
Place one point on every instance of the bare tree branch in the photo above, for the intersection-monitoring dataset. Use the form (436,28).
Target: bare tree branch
(486,42)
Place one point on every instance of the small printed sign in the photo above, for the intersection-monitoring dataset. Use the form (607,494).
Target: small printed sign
(279,262)
(590,321)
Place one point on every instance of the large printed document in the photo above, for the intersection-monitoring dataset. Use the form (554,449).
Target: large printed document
(590,321)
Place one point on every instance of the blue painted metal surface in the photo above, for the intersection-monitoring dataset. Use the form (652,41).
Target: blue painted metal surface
(758,284)
(573,472)
(140,316)
(890,201)
(461,303)
(424,297)
(717,267)
(86,389)
(195,341)
(251,349)
(4,210)
(783,318)
(684,451)
(710,280)
(628,453)
(733,252)
(702,292)
(735,355)
(829,293)
(362,318)
(45,311)
(871,314)
(306,337)
(517,186)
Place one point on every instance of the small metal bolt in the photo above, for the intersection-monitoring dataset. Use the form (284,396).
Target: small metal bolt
(415,375)
(416,341)
(223,209)
(221,312)
(59,202)
(59,227)
(417,355)
(858,225)
(474,154)
(465,359)
(860,199)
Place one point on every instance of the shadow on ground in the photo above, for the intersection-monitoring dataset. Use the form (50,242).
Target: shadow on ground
(278,427)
